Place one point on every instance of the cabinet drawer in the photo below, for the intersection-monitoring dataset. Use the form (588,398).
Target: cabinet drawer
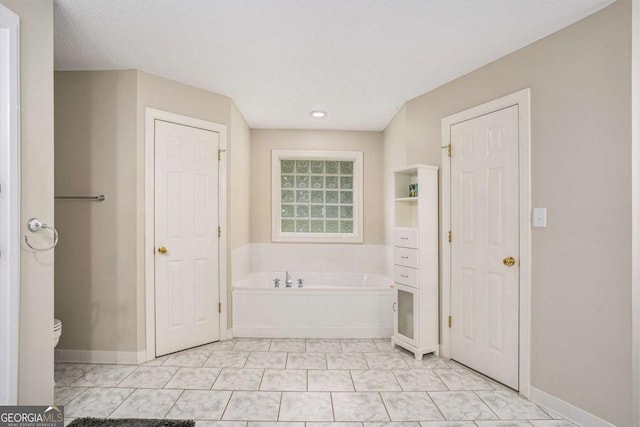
(405,237)
(406,257)
(405,276)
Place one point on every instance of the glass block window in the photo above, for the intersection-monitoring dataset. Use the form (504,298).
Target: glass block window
(317,196)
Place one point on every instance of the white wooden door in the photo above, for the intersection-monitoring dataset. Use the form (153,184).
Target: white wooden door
(186,237)
(484,224)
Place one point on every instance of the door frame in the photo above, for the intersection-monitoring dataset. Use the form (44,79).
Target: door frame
(151,115)
(10,206)
(522,100)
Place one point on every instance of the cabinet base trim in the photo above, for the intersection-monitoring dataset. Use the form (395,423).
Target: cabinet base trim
(418,351)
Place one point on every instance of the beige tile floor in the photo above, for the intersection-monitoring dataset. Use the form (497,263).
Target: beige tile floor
(296,383)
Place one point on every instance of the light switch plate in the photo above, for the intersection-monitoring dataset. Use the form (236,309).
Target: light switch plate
(539,217)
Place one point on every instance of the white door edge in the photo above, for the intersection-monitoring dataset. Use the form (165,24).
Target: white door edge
(9,206)
(522,99)
(151,115)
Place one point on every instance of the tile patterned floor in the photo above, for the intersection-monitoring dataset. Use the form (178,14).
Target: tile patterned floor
(296,383)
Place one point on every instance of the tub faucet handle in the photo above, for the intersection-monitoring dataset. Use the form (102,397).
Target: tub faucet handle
(276,282)
(300,283)
(288,282)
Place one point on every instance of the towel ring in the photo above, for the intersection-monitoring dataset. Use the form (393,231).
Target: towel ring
(34,225)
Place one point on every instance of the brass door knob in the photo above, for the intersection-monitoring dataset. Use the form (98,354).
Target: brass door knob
(509,261)
(162,250)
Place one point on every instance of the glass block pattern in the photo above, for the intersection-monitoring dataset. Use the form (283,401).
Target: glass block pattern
(317,196)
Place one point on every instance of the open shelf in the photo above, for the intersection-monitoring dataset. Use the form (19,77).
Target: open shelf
(406,199)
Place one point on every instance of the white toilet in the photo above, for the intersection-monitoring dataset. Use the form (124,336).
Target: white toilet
(57,331)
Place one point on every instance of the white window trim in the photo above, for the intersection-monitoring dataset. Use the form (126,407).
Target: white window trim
(358,168)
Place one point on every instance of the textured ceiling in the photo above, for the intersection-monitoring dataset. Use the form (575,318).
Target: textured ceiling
(359,60)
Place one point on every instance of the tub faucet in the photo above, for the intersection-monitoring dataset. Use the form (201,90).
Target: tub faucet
(288,282)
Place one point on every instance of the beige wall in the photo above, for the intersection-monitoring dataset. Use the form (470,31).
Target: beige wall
(100,122)
(581,144)
(35,376)
(395,156)
(95,114)
(239,183)
(263,141)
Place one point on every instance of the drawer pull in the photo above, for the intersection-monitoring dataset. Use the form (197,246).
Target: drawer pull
(404,276)
(404,257)
(404,238)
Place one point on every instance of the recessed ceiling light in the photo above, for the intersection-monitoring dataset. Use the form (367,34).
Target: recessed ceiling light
(318,114)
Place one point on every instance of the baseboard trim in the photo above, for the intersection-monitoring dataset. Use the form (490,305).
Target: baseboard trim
(230,333)
(293,332)
(567,410)
(101,356)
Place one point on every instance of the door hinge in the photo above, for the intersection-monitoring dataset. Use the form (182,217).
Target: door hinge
(449,236)
(449,321)
(219,307)
(449,150)
(219,231)
(219,155)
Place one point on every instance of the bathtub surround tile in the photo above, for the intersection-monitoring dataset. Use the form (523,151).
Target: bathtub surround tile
(253,406)
(147,403)
(266,359)
(200,404)
(227,359)
(149,377)
(306,406)
(97,402)
(194,378)
(419,380)
(284,380)
(461,405)
(374,380)
(346,361)
(385,361)
(358,407)
(358,346)
(330,380)
(410,406)
(323,345)
(509,406)
(462,379)
(429,361)
(252,344)
(105,376)
(68,373)
(238,379)
(288,345)
(64,394)
(306,361)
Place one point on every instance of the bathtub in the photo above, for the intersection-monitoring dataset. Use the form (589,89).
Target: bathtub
(345,305)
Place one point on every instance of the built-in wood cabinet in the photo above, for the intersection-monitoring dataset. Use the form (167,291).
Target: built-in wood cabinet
(415,259)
